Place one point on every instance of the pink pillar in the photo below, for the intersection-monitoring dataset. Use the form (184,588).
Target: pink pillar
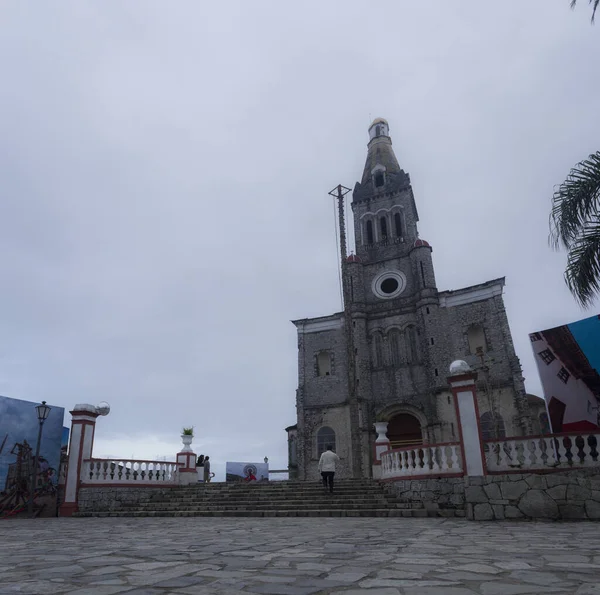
(462,381)
(81,442)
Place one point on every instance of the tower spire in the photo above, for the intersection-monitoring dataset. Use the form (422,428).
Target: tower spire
(380,155)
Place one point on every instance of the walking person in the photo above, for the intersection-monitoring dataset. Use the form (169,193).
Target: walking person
(207,475)
(327,464)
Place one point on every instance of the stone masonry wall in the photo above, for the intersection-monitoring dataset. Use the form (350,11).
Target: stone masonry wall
(109,499)
(572,495)
(446,495)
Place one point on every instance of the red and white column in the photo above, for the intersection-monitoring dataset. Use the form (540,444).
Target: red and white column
(81,442)
(462,382)
(187,467)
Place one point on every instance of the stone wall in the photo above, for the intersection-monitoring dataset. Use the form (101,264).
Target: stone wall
(446,495)
(572,495)
(109,499)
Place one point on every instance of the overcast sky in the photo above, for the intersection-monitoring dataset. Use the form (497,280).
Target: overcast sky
(164,169)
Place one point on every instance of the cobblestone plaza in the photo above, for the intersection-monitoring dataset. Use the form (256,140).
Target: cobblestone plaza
(372,556)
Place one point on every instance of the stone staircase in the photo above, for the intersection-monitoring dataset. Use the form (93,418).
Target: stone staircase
(352,498)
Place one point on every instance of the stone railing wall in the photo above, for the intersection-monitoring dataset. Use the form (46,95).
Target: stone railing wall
(557,451)
(128,472)
(113,499)
(425,460)
(573,495)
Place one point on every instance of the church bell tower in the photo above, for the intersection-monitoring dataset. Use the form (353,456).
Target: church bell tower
(385,228)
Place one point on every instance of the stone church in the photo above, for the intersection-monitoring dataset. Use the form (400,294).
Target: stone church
(386,357)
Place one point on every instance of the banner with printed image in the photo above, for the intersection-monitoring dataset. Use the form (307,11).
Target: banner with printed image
(568,361)
(246,472)
(19,428)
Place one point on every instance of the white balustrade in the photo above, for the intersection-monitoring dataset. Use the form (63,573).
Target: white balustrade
(577,450)
(128,472)
(425,460)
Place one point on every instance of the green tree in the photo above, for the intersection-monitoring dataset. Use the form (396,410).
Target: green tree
(575,222)
(594,8)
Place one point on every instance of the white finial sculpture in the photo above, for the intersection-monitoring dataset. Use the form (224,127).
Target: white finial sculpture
(459,367)
(103,408)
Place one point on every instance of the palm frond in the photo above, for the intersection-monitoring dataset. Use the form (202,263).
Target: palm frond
(596,3)
(576,202)
(583,265)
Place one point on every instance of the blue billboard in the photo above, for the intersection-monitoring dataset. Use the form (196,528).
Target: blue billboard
(19,427)
(568,361)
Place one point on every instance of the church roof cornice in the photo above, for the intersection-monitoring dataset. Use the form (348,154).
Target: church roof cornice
(473,293)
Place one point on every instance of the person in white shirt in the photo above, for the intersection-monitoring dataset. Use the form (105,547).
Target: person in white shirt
(327,464)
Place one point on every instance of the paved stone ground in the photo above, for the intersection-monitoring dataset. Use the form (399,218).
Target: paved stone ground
(370,556)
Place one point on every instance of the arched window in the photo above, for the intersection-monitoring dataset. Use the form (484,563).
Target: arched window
(323,363)
(394,341)
(369,232)
(410,337)
(544,423)
(325,438)
(379,179)
(476,337)
(492,426)
(383,223)
(377,351)
(398,225)
(377,130)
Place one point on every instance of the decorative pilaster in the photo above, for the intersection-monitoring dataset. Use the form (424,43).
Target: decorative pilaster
(462,381)
(81,443)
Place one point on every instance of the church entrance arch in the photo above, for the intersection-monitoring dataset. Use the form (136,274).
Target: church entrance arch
(404,430)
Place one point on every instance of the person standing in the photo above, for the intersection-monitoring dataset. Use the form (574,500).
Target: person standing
(327,464)
(200,468)
(206,470)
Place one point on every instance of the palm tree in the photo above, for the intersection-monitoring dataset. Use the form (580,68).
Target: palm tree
(594,2)
(575,224)
(575,221)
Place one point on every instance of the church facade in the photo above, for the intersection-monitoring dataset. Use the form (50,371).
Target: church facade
(386,357)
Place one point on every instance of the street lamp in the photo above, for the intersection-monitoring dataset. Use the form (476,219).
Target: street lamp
(42,413)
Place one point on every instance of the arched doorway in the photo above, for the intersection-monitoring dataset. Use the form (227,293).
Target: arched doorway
(404,429)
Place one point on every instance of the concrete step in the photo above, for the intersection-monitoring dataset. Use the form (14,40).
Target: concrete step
(292,498)
(267,489)
(381,512)
(287,499)
(313,506)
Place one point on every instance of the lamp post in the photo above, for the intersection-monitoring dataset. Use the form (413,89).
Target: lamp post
(42,413)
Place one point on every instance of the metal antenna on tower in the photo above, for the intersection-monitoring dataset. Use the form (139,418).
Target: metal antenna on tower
(339,192)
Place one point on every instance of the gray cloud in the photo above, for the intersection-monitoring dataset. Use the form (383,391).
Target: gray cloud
(165,171)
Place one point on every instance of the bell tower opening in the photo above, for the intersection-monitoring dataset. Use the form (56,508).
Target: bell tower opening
(404,429)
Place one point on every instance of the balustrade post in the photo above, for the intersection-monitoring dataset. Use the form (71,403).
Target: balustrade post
(382,443)
(462,382)
(187,474)
(81,443)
